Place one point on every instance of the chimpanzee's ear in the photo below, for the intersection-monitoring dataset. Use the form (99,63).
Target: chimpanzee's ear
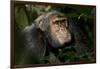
(41,25)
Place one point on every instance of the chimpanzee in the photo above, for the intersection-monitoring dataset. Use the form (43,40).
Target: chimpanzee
(48,35)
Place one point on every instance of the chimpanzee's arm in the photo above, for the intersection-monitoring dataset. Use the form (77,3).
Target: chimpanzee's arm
(34,44)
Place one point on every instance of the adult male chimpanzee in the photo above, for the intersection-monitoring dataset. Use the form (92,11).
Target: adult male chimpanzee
(50,33)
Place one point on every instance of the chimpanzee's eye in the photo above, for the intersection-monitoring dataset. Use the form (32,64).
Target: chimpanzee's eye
(56,22)
(63,20)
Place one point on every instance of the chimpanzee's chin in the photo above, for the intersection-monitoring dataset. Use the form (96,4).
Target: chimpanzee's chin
(56,44)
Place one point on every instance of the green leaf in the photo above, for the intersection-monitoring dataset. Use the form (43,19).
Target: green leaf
(21,18)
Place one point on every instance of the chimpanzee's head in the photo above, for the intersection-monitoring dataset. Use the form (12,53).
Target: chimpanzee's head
(55,25)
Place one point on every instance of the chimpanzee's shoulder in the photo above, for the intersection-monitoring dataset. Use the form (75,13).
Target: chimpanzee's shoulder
(29,28)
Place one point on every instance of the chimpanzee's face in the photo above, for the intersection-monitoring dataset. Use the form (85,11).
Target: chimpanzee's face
(59,30)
